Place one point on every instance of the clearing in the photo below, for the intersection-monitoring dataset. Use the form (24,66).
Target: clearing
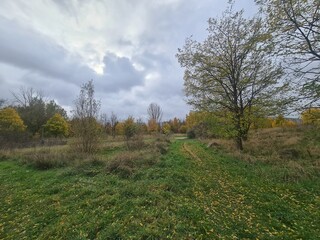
(192,193)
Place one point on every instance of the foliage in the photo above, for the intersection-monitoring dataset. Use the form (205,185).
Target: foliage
(295,26)
(86,128)
(10,121)
(119,129)
(183,129)
(57,126)
(280,121)
(191,134)
(153,126)
(12,128)
(34,110)
(175,125)
(166,128)
(311,116)
(208,124)
(262,122)
(231,72)
(130,128)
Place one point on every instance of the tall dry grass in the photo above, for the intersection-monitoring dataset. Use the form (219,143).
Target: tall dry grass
(290,150)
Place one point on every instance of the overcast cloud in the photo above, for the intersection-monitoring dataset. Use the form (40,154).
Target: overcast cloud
(127,47)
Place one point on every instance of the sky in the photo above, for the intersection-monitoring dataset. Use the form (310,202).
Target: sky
(127,47)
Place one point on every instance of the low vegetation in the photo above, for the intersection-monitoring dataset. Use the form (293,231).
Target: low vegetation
(167,189)
(292,154)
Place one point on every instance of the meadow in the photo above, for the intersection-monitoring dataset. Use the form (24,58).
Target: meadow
(166,188)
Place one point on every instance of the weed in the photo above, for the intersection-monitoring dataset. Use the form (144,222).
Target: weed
(127,163)
(135,143)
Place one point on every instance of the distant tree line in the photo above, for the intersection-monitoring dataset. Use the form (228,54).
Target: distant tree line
(31,117)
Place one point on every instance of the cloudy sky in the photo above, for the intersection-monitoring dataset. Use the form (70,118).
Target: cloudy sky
(127,47)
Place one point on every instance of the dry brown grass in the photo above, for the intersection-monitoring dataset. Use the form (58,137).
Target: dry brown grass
(290,149)
(46,157)
(139,156)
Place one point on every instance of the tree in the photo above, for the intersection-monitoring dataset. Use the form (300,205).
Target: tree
(204,124)
(105,123)
(175,125)
(166,128)
(11,125)
(231,72)
(53,108)
(113,123)
(31,107)
(130,128)
(86,127)
(57,126)
(34,109)
(153,126)
(311,116)
(155,114)
(11,121)
(295,25)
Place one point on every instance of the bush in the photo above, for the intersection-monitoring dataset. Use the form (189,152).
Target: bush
(47,159)
(126,164)
(135,143)
(191,134)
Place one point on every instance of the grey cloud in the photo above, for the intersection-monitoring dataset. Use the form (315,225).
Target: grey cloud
(26,49)
(145,33)
(38,54)
(152,60)
(119,74)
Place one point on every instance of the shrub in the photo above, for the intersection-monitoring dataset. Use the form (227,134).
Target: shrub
(47,159)
(85,126)
(126,164)
(191,134)
(135,143)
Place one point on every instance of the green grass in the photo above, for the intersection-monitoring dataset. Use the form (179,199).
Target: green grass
(191,193)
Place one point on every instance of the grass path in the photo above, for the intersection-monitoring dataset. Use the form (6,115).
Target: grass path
(192,193)
(240,204)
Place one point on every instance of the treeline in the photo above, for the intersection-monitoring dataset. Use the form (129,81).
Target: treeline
(34,119)
(31,118)
(217,125)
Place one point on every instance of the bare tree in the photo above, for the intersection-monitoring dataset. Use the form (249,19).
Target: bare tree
(231,72)
(113,123)
(86,127)
(25,97)
(155,113)
(105,122)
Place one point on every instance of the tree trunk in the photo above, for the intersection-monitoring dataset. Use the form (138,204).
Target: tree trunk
(239,143)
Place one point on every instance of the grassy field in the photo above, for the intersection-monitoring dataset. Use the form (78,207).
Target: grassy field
(189,192)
